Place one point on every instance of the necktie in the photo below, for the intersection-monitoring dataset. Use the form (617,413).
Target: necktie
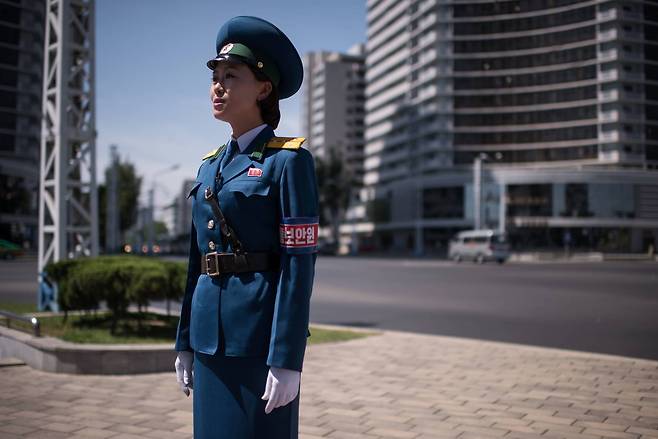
(231,149)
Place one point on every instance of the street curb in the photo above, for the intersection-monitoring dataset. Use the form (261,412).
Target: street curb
(581,257)
(517,258)
(500,344)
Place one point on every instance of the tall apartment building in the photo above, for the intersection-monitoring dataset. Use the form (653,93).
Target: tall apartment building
(333,104)
(559,98)
(182,207)
(21,70)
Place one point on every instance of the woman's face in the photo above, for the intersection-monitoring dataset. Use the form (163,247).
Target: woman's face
(234,92)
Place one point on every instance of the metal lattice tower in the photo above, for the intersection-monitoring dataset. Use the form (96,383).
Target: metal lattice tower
(68,205)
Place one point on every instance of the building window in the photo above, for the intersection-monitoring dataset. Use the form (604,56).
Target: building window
(8,121)
(443,202)
(7,142)
(575,200)
(529,200)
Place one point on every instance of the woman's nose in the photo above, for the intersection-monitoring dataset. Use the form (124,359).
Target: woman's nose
(219,88)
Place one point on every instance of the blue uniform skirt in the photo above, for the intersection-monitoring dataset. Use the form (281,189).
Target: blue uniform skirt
(227,403)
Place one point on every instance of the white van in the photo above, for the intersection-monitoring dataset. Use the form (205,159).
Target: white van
(479,246)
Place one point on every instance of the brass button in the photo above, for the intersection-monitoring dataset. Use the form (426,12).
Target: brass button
(211,224)
(211,245)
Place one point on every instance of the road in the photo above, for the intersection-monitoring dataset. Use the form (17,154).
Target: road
(604,307)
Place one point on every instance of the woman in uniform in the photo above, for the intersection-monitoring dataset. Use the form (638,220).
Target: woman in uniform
(243,326)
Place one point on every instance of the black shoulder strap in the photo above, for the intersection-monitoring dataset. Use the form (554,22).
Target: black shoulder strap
(224,228)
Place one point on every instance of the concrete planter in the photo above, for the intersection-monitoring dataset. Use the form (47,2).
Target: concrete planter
(54,355)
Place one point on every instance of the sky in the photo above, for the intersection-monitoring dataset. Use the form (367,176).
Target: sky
(152,83)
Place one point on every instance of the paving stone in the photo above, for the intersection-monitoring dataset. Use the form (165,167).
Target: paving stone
(47,434)
(311,430)
(15,429)
(94,432)
(643,431)
(62,427)
(483,431)
(611,433)
(391,433)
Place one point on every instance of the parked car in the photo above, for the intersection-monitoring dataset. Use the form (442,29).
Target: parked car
(328,248)
(9,250)
(479,246)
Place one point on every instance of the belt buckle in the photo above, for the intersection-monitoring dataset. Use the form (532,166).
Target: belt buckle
(209,257)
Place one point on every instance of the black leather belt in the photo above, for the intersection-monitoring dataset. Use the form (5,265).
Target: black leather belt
(216,264)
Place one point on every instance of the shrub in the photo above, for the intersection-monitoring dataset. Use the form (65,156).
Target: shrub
(118,280)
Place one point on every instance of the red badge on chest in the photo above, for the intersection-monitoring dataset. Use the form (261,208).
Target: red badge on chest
(254,172)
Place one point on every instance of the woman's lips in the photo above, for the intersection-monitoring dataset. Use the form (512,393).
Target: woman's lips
(217,103)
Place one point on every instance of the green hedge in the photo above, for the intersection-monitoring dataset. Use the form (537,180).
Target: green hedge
(119,280)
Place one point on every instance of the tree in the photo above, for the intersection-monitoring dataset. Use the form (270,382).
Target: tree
(335,184)
(160,228)
(129,186)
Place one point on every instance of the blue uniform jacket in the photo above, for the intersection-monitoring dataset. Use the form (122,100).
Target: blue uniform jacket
(271,209)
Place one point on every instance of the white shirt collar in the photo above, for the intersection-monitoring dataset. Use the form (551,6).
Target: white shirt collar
(245,139)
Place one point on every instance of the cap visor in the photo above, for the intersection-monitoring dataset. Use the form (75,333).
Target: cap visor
(227,57)
(211,63)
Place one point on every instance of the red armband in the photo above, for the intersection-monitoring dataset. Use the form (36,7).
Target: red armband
(299,234)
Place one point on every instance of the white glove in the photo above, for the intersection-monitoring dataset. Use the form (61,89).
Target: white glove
(281,387)
(185,370)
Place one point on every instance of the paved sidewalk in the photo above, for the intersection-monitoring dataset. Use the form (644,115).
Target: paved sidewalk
(393,385)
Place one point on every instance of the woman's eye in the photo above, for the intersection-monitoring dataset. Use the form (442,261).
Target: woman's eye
(226,76)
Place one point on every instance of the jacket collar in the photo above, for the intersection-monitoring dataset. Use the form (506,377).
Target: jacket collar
(245,139)
(242,161)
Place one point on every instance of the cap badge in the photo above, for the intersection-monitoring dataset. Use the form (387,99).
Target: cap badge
(226,48)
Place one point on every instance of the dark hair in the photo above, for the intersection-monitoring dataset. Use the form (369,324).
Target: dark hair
(269,107)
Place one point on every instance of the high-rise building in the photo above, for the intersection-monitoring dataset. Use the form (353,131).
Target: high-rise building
(333,105)
(558,99)
(21,71)
(182,207)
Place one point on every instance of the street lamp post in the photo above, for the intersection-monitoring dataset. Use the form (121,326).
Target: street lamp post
(418,201)
(150,228)
(477,188)
(113,229)
(478,163)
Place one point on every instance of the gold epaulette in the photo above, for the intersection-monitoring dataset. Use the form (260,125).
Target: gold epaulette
(214,153)
(210,154)
(286,142)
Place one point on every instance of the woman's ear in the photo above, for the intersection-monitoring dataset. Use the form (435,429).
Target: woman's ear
(265,91)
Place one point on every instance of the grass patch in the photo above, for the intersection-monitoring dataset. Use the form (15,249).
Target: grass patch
(134,328)
(148,328)
(321,335)
(18,308)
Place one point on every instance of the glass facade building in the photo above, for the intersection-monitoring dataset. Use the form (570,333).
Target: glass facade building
(21,70)
(559,99)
